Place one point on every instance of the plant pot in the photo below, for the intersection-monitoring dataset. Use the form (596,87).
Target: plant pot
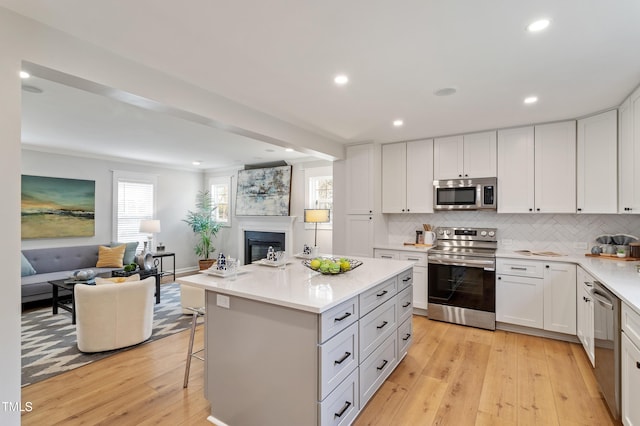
(206,263)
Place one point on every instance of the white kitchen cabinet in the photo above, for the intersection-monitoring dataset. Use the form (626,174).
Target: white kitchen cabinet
(407,177)
(555,167)
(516,173)
(537,169)
(359,235)
(597,165)
(468,156)
(536,294)
(630,366)
(629,155)
(516,170)
(520,300)
(359,169)
(584,313)
(559,297)
(420,287)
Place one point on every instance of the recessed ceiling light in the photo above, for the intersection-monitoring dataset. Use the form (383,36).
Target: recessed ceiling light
(538,25)
(24,74)
(289,149)
(531,100)
(196,163)
(445,91)
(398,123)
(341,80)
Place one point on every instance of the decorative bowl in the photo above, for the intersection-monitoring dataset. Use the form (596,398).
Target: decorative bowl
(352,264)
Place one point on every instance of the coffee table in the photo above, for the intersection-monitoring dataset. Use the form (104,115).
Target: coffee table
(57,303)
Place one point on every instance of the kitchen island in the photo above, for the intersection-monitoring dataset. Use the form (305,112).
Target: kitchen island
(293,346)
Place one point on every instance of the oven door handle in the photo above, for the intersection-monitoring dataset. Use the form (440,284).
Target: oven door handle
(487,265)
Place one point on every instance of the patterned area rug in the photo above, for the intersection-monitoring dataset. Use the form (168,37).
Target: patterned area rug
(49,341)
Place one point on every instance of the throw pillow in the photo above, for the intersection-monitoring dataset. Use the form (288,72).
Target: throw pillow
(110,257)
(25,267)
(129,252)
(117,280)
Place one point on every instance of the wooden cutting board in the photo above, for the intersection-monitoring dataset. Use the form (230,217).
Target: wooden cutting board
(613,257)
(418,245)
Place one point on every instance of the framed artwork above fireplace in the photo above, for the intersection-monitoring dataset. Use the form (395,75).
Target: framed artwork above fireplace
(264,192)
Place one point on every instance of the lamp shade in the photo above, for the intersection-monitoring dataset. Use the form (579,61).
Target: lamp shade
(316,215)
(150,226)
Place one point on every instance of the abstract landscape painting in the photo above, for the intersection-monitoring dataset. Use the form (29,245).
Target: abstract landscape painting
(57,207)
(264,192)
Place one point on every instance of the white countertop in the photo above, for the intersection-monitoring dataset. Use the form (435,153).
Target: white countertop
(621,277)
(299,287)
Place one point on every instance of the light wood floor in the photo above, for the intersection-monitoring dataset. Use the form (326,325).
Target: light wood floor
(453,375)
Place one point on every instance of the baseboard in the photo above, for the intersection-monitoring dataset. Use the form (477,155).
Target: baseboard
(536,332)
(420,311)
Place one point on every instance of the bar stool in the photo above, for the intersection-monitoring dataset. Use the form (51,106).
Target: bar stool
(197,312)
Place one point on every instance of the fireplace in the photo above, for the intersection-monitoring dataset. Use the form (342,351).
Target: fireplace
(256,244)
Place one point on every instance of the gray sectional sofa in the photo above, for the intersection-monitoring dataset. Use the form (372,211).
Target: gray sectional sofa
(56,263)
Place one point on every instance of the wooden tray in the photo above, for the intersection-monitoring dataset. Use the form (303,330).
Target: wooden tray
(613,257)
(418,245)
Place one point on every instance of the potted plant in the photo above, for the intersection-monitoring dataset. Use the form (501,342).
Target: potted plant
(204,226)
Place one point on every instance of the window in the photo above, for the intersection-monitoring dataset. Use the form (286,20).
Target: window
(135,200)
(221,195)
(319,191)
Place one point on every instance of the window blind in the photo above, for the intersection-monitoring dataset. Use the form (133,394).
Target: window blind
(135,203)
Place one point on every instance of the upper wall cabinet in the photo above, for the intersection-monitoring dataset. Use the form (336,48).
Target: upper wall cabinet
(629,154)
(468,156)
(537,169)
(359,167)
(597,165)
(555,167)
(407,177)
(516,170)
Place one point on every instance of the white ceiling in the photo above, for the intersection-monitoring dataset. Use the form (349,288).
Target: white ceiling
(280,57)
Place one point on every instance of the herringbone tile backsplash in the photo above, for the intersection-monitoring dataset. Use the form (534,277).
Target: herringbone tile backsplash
(557,232)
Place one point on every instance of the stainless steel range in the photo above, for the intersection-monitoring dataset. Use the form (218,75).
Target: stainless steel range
(462,286)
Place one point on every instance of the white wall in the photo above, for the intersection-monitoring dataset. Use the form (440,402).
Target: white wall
(176,192)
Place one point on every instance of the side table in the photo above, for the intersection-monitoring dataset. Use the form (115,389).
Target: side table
(161,255)
(144,273)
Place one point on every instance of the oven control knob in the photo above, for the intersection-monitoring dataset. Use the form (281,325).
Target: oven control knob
(492,234)
(440,232)
(483,233)
(447,232)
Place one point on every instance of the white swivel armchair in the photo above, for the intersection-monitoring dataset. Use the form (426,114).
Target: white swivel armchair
(113,316)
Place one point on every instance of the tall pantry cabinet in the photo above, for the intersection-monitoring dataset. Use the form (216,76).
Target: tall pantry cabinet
(359,165)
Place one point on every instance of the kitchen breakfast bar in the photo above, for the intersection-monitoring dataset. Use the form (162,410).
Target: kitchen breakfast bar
(293,346)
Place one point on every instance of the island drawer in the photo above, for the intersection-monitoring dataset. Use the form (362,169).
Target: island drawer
(338,318)
(405,333)
(342,406)
(375,369)
(377,295)
(338,358)
(630,320)
(520,267)
(377,326)
(405,304)
(405,279)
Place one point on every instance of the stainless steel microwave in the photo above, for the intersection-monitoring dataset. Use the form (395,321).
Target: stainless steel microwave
(465,194)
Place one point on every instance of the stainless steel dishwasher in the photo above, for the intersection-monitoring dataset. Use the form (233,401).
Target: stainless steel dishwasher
(606,316)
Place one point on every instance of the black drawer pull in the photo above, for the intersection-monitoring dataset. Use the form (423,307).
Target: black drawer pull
(345,316)
(341,360)
(406,279)
(405,338)
(347,404)
(383,324)
(382,294)
(638,364)
(406,304)
(384,362)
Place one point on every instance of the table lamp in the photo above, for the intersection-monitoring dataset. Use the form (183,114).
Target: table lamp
(150,227)
(316,216)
